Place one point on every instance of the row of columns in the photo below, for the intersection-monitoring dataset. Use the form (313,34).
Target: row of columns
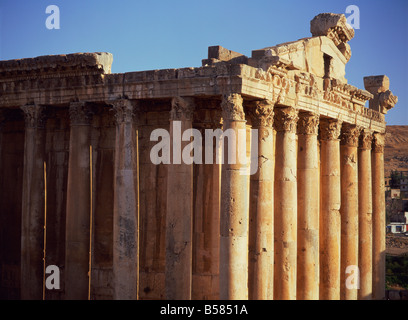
(285,233)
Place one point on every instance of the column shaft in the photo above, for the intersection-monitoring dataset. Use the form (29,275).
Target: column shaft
(178,271)
(349,279)
(308,208)
(261,207)
(329,227)
(365,211)
(126,205)
(78,205)
(32,222)
(378,217)
(285,204)
(234,207)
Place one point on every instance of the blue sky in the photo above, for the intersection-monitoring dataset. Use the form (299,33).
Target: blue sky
(159,34)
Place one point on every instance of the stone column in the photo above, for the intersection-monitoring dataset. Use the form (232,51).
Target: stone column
(285,204)
(349,212)
(178,271)
(32,219)
(365,211)
(308,207)
(78,204)
(234,207)
(261,206)
(126,204)
(378,217)
(329,227)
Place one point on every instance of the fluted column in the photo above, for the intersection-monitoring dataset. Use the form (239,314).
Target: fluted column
(78,204)
(330,225)
(126,204)
(378,217)
(308,208)
(32,219)
(261,206)
(234,207)
(285,204)
(349,212)
(178,271)
(365,211)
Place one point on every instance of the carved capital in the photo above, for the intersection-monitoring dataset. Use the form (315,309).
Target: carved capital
(350,135)
(366,140)
(124,111)
(80,113)
(378,142)
(330,129)
(261,113)
(286,119)
(232,108)
(182,108)
(308,123)
(34,116)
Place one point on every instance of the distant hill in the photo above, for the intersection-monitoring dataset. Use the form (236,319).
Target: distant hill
(396,149)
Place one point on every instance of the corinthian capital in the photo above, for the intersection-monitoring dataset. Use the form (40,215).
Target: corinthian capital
(308,123)
(330,129)
(79,113)
(378,142)
(261,113)
(232,108)
(350,135)
(366,140)
(286,119)
(34,116)
(124,111)
(182,108)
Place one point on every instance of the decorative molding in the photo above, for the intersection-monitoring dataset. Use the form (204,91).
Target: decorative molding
(350,134)
(286,119)
(261,113)
(330,129)
(308,123)
(232,107)
(79,113)
(378,142)
(366,140)
(182,108)
(34,116)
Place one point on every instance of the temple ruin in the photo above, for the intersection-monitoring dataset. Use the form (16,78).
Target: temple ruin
(79,190)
